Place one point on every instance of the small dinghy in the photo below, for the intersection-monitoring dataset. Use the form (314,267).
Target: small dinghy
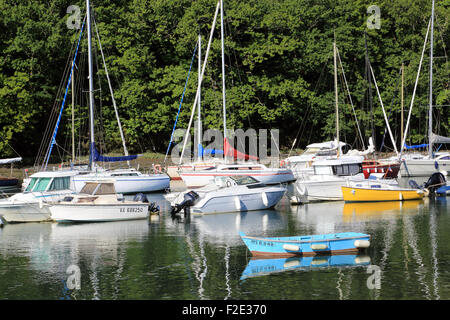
(227,194)
(97,202)
(334,243)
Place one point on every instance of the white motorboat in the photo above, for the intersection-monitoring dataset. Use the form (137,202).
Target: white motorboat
(99,202)
(44,188)
(127,181)
(327,179)
(228,194)
(314,151)
(260,172)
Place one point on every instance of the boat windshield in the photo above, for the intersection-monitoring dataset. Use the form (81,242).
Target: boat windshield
(38,184)
(243,180)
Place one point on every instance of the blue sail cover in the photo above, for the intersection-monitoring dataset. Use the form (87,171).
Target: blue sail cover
(204,152)
(416,146)
(99,158)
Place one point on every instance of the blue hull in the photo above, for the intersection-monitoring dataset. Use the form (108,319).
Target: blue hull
(260,267)
(335,243)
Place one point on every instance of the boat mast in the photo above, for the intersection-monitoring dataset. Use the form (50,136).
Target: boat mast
(201,79)
(199,119)
(91,87)
(223,79)
(430,111)
(73,117)
(401,107)
(336,96)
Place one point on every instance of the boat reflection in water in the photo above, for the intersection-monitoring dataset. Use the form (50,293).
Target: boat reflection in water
(261,267)
(380,210)
(224,227)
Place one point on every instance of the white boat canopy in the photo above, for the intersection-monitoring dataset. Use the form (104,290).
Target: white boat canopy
(10,160)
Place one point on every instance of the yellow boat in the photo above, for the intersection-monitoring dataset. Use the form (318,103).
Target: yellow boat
(380,193)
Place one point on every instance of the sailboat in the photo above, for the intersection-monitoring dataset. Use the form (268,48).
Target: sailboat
(425,165)
(260,172)
(200,163)
(127,181)
(330,173)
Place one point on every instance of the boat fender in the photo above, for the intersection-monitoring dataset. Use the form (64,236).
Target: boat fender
(400,196)
(237,203)
(41,204)
(319,246)
(291,247)
(361,244)
(1,222)
(362,260)
(318,262)
(291,263)
(264,199)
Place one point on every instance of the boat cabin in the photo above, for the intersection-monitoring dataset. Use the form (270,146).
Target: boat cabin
(344,166)
(51,181)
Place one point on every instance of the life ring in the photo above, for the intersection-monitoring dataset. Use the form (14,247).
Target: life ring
(157,168)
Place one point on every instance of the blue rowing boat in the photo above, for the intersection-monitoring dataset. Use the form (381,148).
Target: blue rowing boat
(334,243)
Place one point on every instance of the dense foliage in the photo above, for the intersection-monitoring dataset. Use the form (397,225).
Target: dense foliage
(279,69)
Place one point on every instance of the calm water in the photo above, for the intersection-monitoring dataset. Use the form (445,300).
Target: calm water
(166,259)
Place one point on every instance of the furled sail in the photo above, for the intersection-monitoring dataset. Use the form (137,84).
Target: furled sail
(203,152)
(439,139)
(417,146)
(100,158)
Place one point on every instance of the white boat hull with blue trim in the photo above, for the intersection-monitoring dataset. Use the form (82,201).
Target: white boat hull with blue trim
(229,194)
(44,188)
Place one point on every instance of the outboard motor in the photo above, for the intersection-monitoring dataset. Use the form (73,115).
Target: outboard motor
(189,200)
(153,208)
(413,184)
(435,181)
(141,198)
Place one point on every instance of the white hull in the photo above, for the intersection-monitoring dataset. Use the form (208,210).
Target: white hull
(311,191)
(423,167)
(173,171)
(98,212)
(268,177)
(127,184)
(239,202)
(30,207)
